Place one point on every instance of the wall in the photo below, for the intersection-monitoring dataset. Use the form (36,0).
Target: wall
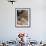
(8,31)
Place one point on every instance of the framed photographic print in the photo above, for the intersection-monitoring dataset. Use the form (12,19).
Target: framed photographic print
(22,17)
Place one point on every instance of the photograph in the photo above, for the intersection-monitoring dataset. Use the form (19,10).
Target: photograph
(23,17)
